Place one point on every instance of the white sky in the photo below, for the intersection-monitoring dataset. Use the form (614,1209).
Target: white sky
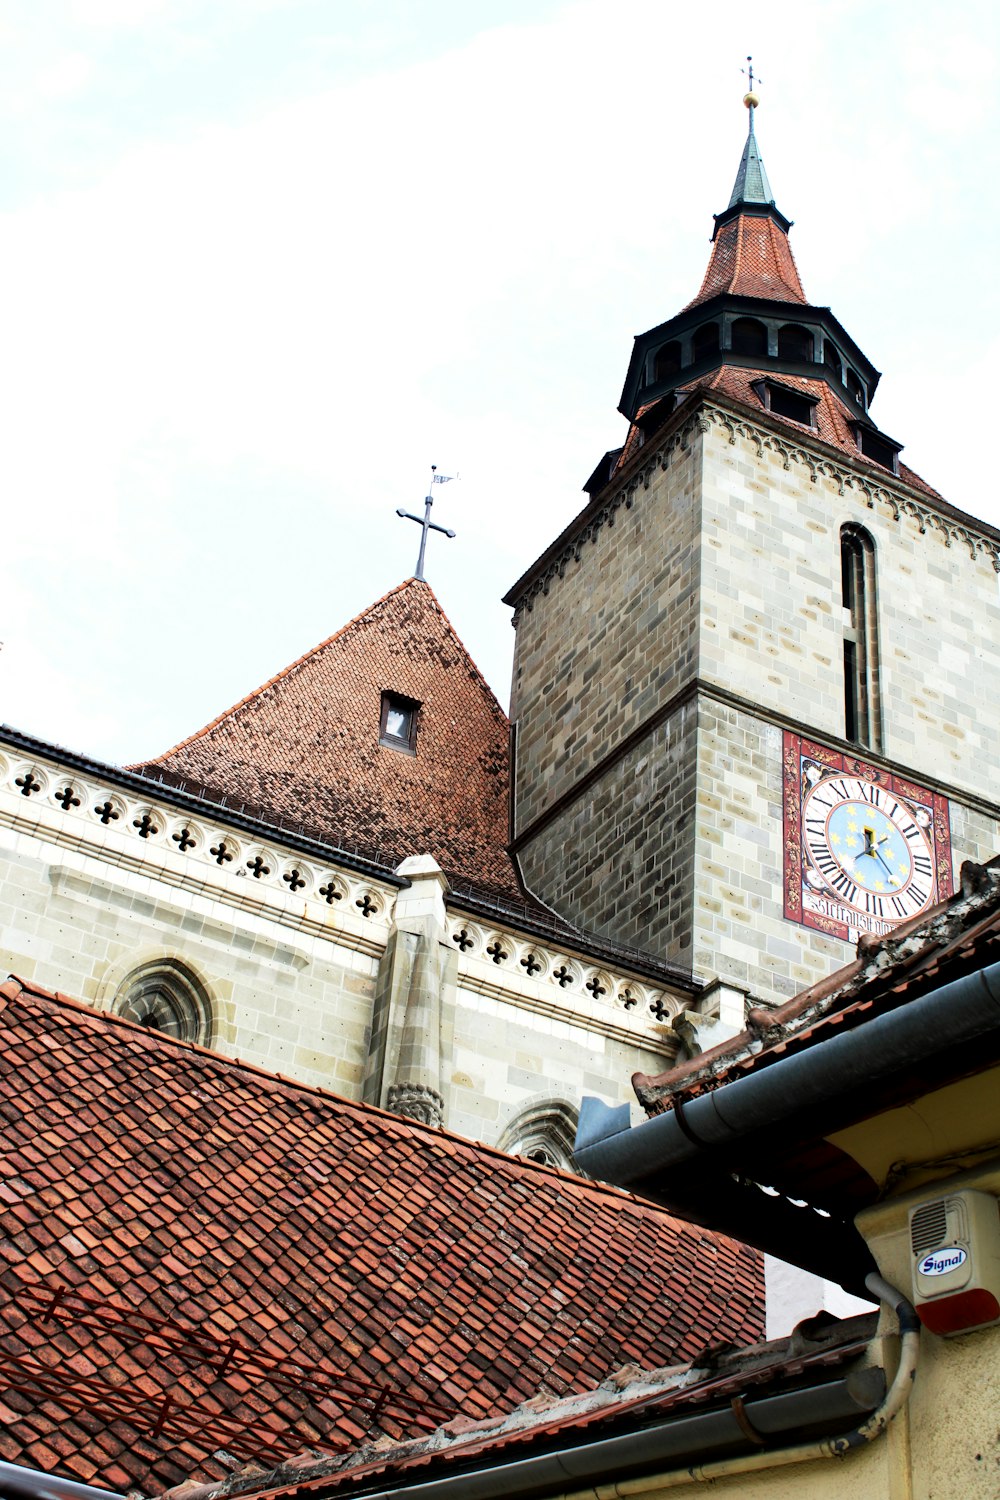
(263,261)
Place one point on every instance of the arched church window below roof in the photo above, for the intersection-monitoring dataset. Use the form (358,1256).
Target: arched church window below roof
(748,337)
(543,1132)
(705,341)
(796,343)
(164,995)
(668,361)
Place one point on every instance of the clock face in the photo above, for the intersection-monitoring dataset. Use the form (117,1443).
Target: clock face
(864,847)
(868,848)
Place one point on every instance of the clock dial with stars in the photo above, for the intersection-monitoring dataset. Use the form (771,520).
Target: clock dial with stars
(868,847)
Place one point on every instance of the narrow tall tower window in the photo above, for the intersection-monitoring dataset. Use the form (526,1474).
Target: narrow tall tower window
(862,708)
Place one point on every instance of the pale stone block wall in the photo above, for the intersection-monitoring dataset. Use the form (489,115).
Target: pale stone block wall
(308,970)
(505,1058)
(740,931)
(293,1003)
(772,611)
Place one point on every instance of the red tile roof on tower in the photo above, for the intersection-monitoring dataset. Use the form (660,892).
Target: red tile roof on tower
(751,257)
(304,748)
(202,1264)
(832,419)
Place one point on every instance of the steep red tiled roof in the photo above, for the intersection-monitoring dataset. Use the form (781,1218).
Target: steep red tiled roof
(304,748)
(177,1225)
(751,257)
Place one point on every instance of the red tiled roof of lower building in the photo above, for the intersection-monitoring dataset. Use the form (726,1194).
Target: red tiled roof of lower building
(957,936)
(629,1401)
(751,257)
(199,1258)
(304,748)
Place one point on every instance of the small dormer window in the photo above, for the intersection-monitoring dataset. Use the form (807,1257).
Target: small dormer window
(783,401)
(398,725)
(879,448)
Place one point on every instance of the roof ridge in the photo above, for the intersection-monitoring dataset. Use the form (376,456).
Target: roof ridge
(285,672)
(738,258)
(615,1197)
(795,287)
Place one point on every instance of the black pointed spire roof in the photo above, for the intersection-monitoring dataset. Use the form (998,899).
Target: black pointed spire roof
(751,191)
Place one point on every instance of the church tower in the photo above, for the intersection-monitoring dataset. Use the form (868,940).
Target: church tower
(757,680)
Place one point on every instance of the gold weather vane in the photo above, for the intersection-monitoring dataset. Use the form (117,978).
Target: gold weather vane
(425,522)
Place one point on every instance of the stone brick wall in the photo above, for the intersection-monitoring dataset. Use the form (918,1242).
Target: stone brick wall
(619,859)
(739,928)
(614,638)
(505,1058)
(293,970)
(727,569)
(772,613)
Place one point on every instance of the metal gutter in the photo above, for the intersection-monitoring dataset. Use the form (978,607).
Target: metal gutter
(15,1481)
(714,1432)
(710,1135)
(712,1438)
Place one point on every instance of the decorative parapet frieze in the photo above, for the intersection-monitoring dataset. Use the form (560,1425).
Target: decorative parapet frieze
(137,832)
(505,964)
(875,491)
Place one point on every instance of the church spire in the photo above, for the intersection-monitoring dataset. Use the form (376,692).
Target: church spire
(751,191)
(751,185)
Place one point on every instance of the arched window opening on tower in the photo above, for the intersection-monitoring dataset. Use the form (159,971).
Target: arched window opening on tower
(749,338)
(164,995)
(856,389)
(862,709)
(795,343)
(543,1132)
(668,361)
(705,341)
(831,358)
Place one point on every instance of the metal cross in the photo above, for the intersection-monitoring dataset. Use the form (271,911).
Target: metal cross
(426,524)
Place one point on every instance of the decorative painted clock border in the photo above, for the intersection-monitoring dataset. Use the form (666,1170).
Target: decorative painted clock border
(824,911)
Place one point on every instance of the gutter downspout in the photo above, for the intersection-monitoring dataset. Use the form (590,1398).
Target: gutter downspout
(896,1398)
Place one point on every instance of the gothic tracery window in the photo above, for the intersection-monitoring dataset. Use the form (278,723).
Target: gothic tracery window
(164,995)
(544,1132)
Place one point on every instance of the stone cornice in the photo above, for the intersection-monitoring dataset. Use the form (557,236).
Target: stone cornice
(707,409)
(817,457)
(138,834)
(565,986)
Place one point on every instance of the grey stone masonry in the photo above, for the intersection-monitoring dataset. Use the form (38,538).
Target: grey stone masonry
(696,614)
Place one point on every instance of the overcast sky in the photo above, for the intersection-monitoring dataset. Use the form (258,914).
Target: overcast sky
(262,262)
